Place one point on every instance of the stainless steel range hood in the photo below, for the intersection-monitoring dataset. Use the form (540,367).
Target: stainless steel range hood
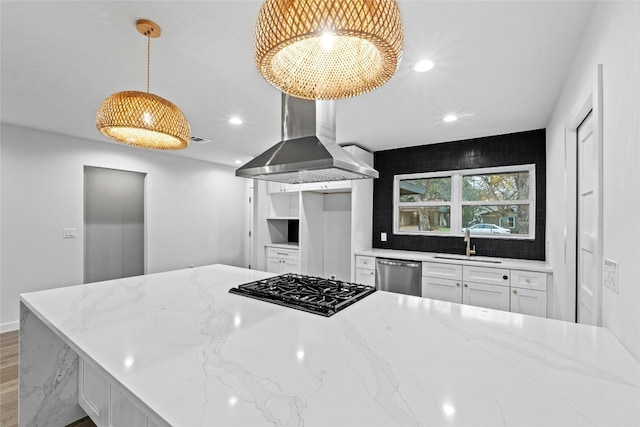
(308,151)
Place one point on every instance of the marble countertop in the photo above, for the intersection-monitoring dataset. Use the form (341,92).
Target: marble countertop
(479,261)
(197,355)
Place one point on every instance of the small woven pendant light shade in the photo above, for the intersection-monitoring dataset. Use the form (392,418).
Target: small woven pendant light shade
(143,119)
(362,52)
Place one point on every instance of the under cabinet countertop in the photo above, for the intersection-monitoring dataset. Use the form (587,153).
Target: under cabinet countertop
(197,355)
(478,261)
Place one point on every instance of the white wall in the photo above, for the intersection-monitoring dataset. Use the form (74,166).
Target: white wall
(194,210)
(613,40)
(337,236)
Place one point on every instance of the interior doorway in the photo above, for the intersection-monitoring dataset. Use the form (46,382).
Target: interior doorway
(114,229)
(587,230)
(583,244)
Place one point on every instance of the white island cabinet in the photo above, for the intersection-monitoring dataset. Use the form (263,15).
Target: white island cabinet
(178,349)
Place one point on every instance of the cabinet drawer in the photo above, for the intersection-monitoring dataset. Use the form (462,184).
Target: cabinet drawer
(282,253)
(444,271)
(534,280)
(489,275)
(366,262)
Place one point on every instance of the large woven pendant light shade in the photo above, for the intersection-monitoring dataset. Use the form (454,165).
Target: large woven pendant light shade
(328,49)
(143,119)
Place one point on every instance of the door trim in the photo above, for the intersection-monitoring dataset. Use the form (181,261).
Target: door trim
(592,102)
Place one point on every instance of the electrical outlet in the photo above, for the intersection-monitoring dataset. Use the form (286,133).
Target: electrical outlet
(383,237)
(68,233)
(610,274)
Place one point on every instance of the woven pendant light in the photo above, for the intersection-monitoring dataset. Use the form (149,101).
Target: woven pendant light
(143,119)
(328,49)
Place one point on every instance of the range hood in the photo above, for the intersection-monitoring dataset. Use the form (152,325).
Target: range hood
(308,151)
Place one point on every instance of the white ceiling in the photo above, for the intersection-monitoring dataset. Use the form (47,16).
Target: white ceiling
(499,67)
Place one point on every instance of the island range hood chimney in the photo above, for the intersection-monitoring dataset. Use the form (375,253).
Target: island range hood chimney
(308,151)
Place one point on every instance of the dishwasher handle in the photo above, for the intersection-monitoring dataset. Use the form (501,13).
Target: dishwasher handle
(398,263)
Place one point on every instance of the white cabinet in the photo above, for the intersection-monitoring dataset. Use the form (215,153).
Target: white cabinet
(365,270)
(327,187)
(518,291)
(123,412)
(442,289)
(442,271)
(93,394)
(488,275)
(526,301)
(529,292)
(365,277)
(282,260)
(279,187)
(106,404)
(486,295)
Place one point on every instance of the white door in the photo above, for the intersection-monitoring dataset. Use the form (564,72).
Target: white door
(588,310)
(527,301)
(442,289)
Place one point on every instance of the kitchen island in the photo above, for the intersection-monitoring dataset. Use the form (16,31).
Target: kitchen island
(185,352)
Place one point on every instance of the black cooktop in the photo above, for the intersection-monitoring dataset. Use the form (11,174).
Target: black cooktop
(308,293)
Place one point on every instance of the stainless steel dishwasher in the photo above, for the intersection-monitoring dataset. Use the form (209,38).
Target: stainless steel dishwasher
(403,277)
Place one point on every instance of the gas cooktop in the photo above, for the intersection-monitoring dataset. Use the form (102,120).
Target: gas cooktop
(308,293)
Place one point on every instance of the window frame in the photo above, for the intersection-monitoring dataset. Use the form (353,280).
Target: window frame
(456,203)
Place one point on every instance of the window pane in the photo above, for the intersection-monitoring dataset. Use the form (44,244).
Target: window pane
(497,220)
(425,190)
(433,218)
(499,186)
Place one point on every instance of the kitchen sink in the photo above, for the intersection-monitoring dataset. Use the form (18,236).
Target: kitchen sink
(466,258)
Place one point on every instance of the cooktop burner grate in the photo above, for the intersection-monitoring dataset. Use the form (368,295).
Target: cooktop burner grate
(308,293)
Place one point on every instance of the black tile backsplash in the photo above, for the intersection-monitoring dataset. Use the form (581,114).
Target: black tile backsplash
(500,150)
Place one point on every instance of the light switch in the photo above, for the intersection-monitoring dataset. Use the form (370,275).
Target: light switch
(383,237)
(611,275)
(69,233)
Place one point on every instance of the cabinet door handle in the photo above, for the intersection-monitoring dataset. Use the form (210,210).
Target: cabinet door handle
(505,277)
(458,284)
(466,286)
(515,292)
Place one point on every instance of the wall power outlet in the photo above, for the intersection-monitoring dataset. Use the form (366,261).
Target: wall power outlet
(383,237)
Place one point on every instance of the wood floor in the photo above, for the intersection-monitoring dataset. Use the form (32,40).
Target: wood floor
(9,383)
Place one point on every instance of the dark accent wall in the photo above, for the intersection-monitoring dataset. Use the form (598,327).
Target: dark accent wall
(492,151)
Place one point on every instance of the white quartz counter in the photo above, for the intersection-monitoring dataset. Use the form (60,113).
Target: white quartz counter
(480,261)
(199,356)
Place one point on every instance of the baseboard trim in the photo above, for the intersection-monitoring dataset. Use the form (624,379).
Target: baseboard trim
(8,327)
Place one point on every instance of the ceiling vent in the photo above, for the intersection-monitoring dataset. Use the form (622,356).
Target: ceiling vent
(199,140)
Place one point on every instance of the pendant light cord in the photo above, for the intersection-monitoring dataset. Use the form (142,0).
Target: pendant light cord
(148,59)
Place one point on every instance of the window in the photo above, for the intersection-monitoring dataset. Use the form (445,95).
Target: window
(491,202)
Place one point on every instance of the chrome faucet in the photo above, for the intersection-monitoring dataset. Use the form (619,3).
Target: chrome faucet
(467,238)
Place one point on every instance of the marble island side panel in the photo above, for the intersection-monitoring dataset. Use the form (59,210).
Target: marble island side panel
(48,378)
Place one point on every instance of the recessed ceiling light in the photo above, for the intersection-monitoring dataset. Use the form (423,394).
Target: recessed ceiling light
(238,162)
(235,120)
(424,65)
(450,118)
